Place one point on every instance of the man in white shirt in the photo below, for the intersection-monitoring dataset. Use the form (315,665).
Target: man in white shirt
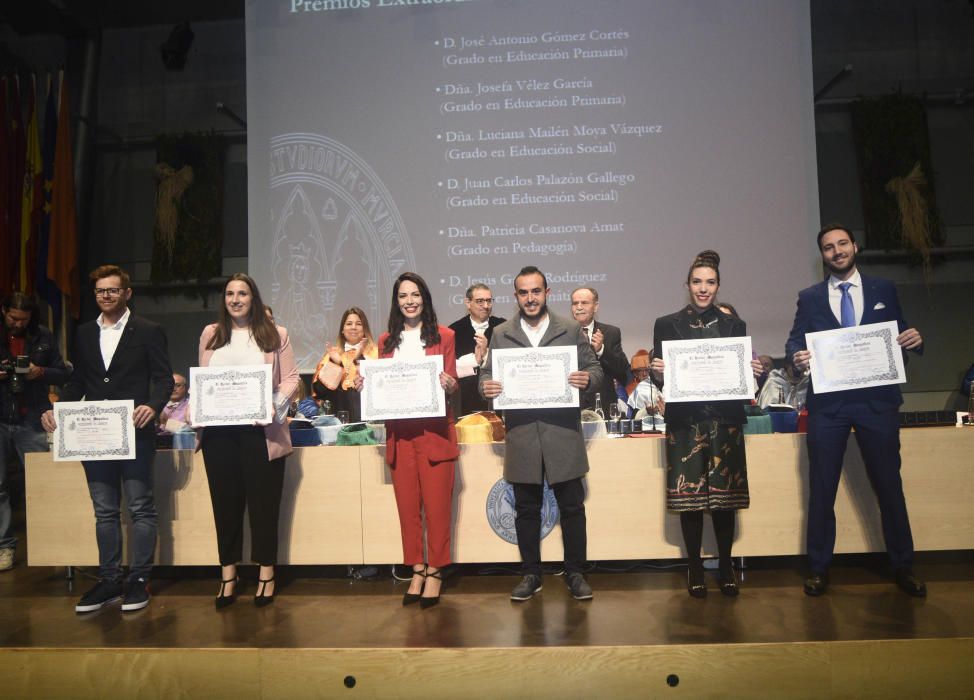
(545,444)
(120,356)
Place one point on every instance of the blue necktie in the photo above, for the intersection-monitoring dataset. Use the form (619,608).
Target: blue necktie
(846,310)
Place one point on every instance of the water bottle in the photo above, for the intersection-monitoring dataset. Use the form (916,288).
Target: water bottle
(598,406)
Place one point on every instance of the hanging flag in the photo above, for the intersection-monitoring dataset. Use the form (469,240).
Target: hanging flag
(7,264)
(46,289)
(15,184)
(31,190)
(62,257)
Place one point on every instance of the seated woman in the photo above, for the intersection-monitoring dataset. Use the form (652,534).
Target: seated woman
(354,343)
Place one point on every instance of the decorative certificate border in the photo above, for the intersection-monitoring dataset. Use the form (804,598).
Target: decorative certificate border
(886,332)
(120,410)
(201,377)
(431,404)
(567,355)
(674,350)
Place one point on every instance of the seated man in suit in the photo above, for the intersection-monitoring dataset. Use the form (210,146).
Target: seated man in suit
(848,298)
(472,333)
(120,356)
(606,342)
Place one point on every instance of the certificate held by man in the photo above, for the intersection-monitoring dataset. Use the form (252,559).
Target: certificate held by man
(394,388)
(535,377)
(94,430)
(709,369)
(231,395)
(855,358)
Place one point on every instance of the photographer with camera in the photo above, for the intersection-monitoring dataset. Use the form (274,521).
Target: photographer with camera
(29,363)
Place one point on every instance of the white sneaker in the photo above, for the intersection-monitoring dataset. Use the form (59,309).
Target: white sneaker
(6,559)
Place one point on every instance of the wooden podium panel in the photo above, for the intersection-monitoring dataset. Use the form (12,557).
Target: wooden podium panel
(339,507)
(321,511)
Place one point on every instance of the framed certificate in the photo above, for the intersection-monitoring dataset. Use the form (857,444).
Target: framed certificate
(535,377)
(94,430)
(399,388)
(711,369)
(231,395)
(855,358)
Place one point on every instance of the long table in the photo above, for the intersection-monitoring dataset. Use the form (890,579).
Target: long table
(339,508)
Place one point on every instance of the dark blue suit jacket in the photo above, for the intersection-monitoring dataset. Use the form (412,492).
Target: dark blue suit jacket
(880,304)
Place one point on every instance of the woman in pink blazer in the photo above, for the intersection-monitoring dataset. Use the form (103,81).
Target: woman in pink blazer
(421,451)
(245,463)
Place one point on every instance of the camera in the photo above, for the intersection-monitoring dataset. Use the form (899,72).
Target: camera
(16,372)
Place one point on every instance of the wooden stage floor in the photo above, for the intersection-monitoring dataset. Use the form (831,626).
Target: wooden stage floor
(318,607)
(641,636)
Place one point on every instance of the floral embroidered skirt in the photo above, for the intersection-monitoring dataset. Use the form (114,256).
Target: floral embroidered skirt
(706,468)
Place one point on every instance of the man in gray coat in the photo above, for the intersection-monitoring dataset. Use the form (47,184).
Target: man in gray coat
(545,443)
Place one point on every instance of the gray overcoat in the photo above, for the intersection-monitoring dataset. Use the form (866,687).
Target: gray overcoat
(548,436)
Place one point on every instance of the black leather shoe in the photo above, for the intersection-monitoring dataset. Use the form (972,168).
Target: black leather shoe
(910,584)
(579,587)
(526,589)
(816,584)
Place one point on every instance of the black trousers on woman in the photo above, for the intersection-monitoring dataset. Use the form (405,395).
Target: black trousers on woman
(241,476)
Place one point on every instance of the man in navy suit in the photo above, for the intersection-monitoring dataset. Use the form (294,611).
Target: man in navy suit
(121,356)
(848,298)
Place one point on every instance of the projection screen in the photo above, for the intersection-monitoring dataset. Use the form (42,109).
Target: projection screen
(606,142)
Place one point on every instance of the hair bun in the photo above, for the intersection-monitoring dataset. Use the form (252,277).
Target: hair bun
(707,258)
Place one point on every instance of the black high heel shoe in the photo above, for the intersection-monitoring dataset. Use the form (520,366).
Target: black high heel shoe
(227,599)
(728,584)
(262,600)
(430,601)
(410,598)
(696,590)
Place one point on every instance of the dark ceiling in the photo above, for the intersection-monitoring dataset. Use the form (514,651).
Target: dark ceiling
(70,17)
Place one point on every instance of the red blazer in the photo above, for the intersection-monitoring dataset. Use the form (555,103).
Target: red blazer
(438,435)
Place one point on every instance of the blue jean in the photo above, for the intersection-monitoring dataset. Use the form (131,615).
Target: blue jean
(17,438)
(107,480)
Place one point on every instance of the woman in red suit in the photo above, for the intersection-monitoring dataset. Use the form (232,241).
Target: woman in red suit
(421,451)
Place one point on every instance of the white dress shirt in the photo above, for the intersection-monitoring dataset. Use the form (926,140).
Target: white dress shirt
(589,332)
(109,336)
(855,291)
(467,364)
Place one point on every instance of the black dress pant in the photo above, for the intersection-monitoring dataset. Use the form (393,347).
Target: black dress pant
(241,476)
(571,507)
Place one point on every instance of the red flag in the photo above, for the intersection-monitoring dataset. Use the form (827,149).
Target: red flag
(62,260)
(31,200)
(46,289)
(7,239)
(15,181)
